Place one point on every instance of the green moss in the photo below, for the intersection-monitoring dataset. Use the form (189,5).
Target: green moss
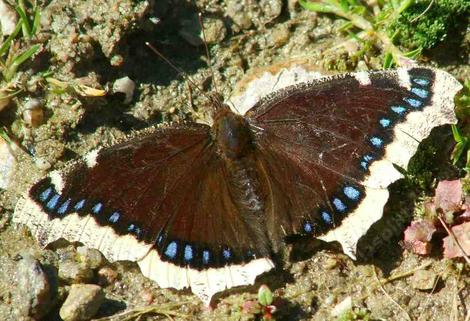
(423,24)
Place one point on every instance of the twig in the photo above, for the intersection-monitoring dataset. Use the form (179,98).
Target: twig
(452,236)
(404,274)
(388,296)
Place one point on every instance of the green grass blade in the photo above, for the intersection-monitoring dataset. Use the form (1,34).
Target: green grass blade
(388,61)
(317,7)
(36,21)
(18,60)
(6,45)
(25,22)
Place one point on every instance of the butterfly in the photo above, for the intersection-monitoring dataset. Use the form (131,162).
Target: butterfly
(209,207)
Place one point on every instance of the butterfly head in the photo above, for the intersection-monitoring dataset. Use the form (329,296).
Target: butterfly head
(231,133)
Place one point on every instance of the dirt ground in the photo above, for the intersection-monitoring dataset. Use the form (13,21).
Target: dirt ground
(96,42)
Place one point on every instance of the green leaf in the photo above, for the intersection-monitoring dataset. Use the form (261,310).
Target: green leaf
(36,21)
(265,296)
(317,7)
(18,60)
(413,54)
(405,4)
(6,45)
(388,61)
(25,22)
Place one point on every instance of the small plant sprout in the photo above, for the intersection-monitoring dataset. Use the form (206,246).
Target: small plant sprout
(263,308)
(16,49)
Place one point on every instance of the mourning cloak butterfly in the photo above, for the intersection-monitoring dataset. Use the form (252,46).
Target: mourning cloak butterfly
(207,207)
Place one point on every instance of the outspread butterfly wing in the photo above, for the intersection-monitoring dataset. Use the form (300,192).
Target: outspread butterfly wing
(161,199)
(327,148)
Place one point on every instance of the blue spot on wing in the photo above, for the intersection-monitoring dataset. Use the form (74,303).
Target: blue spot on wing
(308,228)
(171,250)
(79,205)
(97,208)
(421,81)
(376,141)
(413,102)
(326,217)
(400,110)
(63,208)
(227,254)
(114,217)
(423,93)
(385,122)
(45,194)
(188,253)
(53,201)
(206,256)
(339,205)
(352,193)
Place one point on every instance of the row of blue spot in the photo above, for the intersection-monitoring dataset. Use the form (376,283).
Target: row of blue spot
(171,252)
(50,199)
(352,193)
(399,110)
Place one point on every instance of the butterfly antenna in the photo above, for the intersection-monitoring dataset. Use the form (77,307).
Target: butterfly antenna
(179,70)
(209,61)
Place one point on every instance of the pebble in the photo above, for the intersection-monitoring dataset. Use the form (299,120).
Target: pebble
(92,258)
(7,164)
(280,35)
(215,30)
(33,113)
(74,272)
(8,18)
(82,303)
(34,289)
(271,9)
(126,86)
(106,276)
(423,280)
(342,307)
(238,11)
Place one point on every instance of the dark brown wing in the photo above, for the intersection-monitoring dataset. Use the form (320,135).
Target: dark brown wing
(167,188)
(316,142)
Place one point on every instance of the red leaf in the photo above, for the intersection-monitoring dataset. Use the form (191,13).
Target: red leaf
(449,195)
(418,235)
(462,234)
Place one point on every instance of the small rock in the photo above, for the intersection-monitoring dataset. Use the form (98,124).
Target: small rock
(8,18)
(423,280)
(238,11)
(33,113)
(73,272)
(82,303)
(280,35)
(215,30)
(342,307)
(271,9)
(7,164)
(126,86)
(106,276)
(34,290)
(92,258)
(330,263)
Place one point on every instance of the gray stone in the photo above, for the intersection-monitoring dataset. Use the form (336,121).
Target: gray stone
(92,258)
(74,272)
(33,296)
(239,13)
(424,280)
(82,303)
